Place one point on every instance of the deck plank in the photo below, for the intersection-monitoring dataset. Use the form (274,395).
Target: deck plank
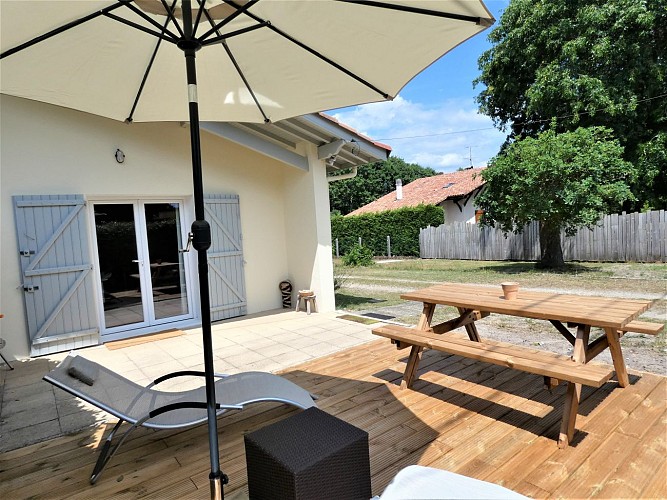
(481,420)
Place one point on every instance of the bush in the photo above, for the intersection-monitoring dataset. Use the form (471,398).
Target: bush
(401,225)
(358,256)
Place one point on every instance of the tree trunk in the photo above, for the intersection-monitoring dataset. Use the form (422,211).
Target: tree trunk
(551,253)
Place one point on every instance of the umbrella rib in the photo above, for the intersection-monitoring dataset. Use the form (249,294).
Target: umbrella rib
(139,27)
(245,81)
(171,17)
(59,30)
(234,33)
(318,55)
(216,29)
(417,10)
(129,119)
(141,14)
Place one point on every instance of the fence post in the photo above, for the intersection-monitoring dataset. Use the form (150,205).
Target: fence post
(337,253)
(388,246)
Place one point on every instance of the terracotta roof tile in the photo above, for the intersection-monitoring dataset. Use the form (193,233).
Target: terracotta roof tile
(428,191)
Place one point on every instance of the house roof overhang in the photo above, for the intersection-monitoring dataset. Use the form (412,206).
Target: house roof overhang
(341,146)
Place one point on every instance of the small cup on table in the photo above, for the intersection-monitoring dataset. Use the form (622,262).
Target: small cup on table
(510,290)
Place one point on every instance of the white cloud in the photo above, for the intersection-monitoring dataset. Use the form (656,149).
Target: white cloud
(436,136)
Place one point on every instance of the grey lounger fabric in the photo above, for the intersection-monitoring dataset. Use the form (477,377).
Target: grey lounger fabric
(149,407)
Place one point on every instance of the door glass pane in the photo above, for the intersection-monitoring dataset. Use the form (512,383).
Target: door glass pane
(117,247)
(166,262)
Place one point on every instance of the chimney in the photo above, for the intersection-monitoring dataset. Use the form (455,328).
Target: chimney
(399,189)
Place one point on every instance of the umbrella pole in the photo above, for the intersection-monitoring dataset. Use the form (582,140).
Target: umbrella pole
(201,241)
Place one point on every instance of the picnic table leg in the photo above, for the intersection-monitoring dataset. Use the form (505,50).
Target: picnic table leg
(617,356)
(573,390)
(426,317)
(411,368)
(470,327)
(416,351)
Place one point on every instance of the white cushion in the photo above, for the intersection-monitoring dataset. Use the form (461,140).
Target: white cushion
(421,483)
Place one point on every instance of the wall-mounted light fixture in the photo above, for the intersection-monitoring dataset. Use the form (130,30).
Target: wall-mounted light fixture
(120,156)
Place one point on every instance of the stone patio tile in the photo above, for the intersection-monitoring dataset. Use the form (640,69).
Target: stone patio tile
(29,373)
(263,365)
(242,359)
(73,405)
(310,330)
(151,372)
(36,401)
(287,337)
(16,438)
(148,357)
(229,351)
(320,349)
(27,391)
(183,350)
(291,358)
(28,417)
(272,350)
(76,421)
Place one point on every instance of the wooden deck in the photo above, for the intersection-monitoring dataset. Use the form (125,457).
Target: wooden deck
(481,420)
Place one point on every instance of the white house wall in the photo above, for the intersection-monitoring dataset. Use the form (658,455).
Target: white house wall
(50,150)
(308,230)
(453,214)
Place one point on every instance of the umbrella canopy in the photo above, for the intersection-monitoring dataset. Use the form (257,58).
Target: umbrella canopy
(276,60)
(244,60)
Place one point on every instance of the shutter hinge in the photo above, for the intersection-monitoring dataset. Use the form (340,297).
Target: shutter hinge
(26,253)
(31,289)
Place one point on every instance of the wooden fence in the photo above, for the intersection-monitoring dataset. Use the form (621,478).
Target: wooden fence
(636,237)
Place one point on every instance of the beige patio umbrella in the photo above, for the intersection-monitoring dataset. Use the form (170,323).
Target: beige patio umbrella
(256,61)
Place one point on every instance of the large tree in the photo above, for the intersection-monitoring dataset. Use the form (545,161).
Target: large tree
(589,63)
(373,181)
(564,181)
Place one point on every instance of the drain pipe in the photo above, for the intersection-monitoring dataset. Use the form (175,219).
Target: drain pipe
(328,153)
(352,174)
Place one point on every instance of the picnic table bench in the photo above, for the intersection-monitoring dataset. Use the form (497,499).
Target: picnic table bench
(474,302)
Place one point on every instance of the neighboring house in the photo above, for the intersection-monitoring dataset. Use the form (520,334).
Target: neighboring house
(94,213)
(455,192)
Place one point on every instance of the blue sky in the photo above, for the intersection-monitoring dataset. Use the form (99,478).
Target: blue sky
(434,120)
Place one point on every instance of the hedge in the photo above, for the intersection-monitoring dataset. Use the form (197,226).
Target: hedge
(402,225)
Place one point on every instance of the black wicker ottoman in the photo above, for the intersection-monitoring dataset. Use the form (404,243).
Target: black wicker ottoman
(311,455)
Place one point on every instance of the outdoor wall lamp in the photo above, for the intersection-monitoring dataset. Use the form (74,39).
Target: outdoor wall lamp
(120,156)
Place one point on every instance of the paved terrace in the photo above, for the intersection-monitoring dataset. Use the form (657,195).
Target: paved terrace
(32,410)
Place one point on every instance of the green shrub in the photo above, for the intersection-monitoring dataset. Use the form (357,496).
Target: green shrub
(359,255)
(401,225)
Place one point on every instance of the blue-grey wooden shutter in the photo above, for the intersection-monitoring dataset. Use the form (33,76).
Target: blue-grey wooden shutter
(225,257)
(58,284)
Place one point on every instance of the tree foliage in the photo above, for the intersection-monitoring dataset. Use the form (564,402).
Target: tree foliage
(589,63)
(372,182)
(564,181)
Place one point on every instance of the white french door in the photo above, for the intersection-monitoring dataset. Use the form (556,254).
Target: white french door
(143,277)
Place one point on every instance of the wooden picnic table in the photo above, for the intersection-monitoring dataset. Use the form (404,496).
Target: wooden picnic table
(613,315)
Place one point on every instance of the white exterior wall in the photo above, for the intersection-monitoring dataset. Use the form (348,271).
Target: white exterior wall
(453,214)
(50,150)
(304,210)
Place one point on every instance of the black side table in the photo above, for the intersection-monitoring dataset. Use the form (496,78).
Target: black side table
(309,456)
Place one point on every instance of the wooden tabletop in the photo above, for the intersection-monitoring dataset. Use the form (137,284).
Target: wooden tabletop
(594,311)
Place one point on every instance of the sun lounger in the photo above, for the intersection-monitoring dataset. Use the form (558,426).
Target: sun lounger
(148,407)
